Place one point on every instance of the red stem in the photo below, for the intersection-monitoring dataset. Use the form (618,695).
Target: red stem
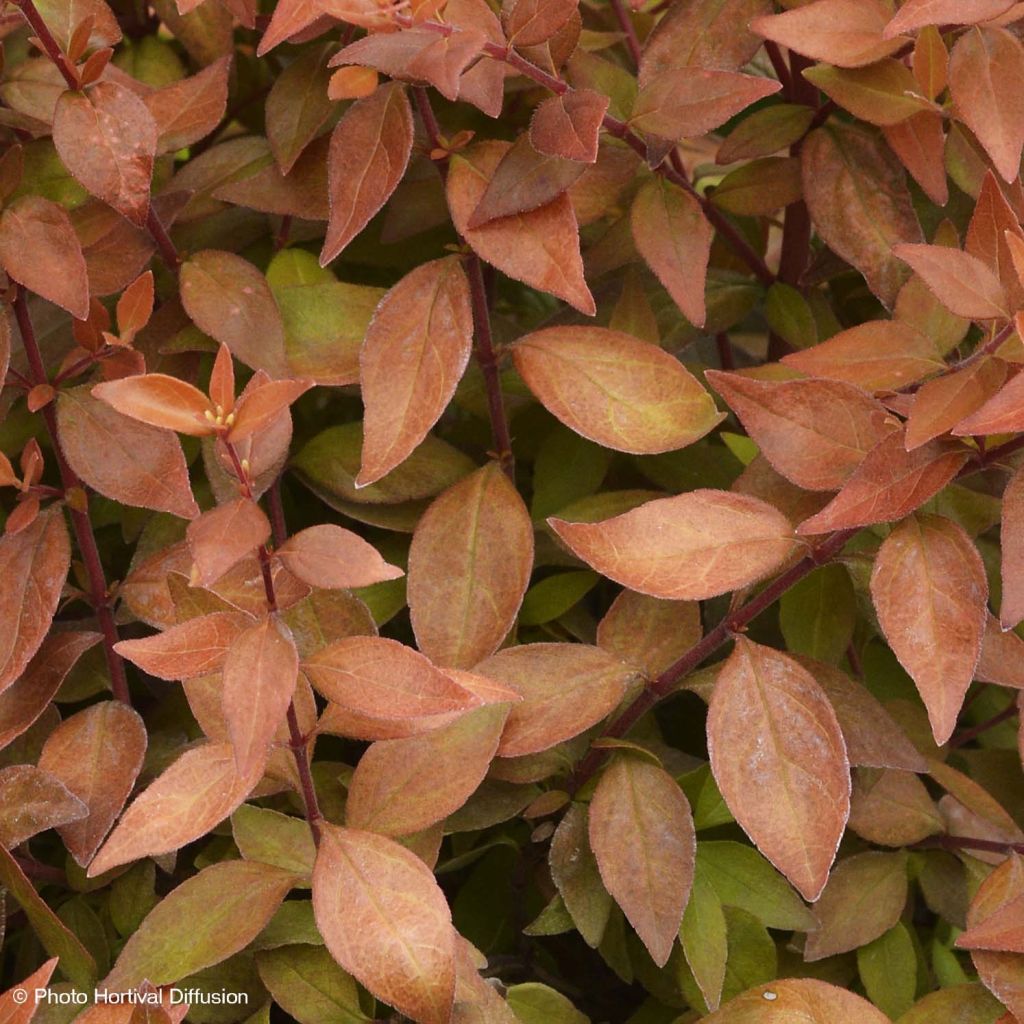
(50,45)
(968,843)
(965,737)
(628,30)
(166,248)
(79,520)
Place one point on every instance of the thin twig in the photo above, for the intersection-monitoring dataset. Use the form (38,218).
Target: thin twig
(79,520)
(628,30)
(965,737)
(967,843)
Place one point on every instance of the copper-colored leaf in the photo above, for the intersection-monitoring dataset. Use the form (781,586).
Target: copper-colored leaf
(221,538)
(779,758)
(406,785)
(566,688)
(1003,413)
(193,648)
(814,432)
(690,547)
(1011,610)
(986,81)
(642,835)
(930,592)
(33,565)
(16,1010)
(369,153)
(915,14)
(535,21)
(107,138)
(920,143)
(539,248)
(889,484)
(160,401)
(386,921)
(262,404)
(856,192)
(411,361)
(383,679)
(32,801)
(469,566)
(330,557)
(188,110)
(960,281)
(994,235)
(97,753)
(674,237)
(879,355)
(847,33)
(569,125)
(197,792)
(942,403)
(806,1000)
(40,250)
(122,458)
(648,631)
(229,299)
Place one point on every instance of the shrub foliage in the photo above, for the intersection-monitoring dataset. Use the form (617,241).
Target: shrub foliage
(595,428)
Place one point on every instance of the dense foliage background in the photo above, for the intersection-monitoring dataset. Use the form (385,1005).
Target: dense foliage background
(512,512)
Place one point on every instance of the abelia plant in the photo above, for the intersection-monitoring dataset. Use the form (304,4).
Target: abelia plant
(512,512)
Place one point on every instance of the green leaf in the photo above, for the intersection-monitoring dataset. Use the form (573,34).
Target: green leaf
(888,969)
(273,838)
(704,935)
(553,596)
(534,1003)
(753,958)
(567,467)
(790,316)
(307,984)
(818,615)
(291,924)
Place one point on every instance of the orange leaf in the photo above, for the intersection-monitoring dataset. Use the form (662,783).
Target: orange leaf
(32,801)
(411,361)
(798,999)
(352,83)
(160,401)
(259,405)
(814,432)
(333,558)
(539,248)
(193,648)
(569,125)
(535,21)
(690,547)
(385,920)
(614,389)
(16,1010)
(260,673)
(97,753)
(369,153)
(779,758)
(920,143)
(221,538)
(648,631)
(566,688)
(135,306)
(930,592)
(1003,413)
(960,281)
(915,14)
(674,237)
(889,484)
(1011,611)
(189,109)
(469,566)
(942,403)
(107,139)
(642,835)
(196,793)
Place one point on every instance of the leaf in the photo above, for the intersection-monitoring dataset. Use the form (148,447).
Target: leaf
(884,93)
(32,801)
(614,389)
(201,922)
(469,566)
(857,195)
(406,785)
(999,415)
(566,688)
(107,138)
(818,615)
(814,432)
(382,678)
(193,648)
(298,106)
(690,547)
(40,250)
(260,673)
(34,565)
(539,247)
(864,898)
(994,235)
(15,1010)
(221,538)
(641,832)
(960,281)
(369,153)
(575,874)
(190,109)
(97,753)
(649,632)
(779,758)
(412,359)
(880,355)
(920,144)
(1011,610)
(262,404)
(386,922)
(704,938)
(674,237)
(888,485)
(915,14)
(986,76)
(328,556)
(688,102)
(569,125)
(229,299)
(309,986)
(160,401)
(27,697)
(122,458)
(941,404)
(801,999)
(197,792)
(930,593)
(535,21)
